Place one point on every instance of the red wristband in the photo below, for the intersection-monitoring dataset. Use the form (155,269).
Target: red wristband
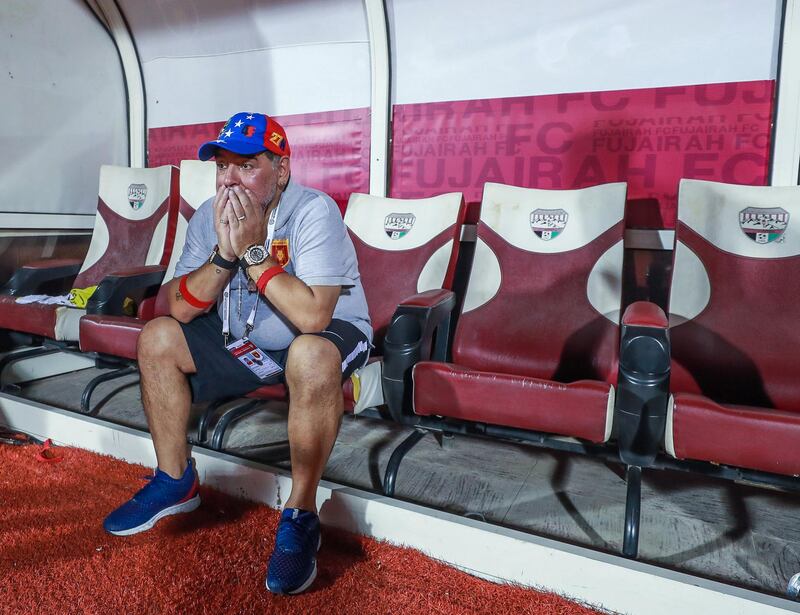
(190,298)
(265,277)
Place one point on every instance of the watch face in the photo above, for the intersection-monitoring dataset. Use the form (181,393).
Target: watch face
(256,255)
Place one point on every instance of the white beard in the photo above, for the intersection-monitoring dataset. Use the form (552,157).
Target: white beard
(271,196)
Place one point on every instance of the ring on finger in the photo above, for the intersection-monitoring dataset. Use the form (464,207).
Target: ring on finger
(240,217)
(223,221)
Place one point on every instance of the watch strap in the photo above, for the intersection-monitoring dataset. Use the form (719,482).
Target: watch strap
(217,260)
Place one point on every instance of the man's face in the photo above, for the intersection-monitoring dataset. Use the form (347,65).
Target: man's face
(256,173)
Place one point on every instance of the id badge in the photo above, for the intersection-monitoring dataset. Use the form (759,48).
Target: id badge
(254,359)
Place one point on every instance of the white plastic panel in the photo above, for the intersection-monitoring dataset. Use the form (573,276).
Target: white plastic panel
(99,243)
(68,324)
(432,274)
(468,49)
(485,278)
(198,181)
(401,224)
(669,436)
(751,221)
(691,288)
(205,60)
(63,107)
(552,221)
(156,249)
(133,194)
(604,287)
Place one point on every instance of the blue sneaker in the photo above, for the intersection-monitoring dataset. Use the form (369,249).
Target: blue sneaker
(293,565)
(161,497)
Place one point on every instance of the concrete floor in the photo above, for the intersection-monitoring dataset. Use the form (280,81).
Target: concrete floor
(735,533)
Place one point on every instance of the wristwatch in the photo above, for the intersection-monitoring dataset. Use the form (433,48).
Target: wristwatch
(216,259)
(253,255)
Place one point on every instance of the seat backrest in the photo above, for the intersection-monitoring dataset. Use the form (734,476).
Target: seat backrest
(137,211)
(404,246)
(545,289)
(198,184)
(734,308)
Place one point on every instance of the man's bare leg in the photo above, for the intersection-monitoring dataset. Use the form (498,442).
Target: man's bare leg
(164,362)
(314,378)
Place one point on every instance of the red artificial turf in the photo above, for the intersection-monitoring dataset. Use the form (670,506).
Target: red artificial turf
(56,558)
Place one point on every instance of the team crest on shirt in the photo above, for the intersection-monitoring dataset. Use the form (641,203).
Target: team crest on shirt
(398,225)
(280,251)
(548,224)
(137,193)
(764,224)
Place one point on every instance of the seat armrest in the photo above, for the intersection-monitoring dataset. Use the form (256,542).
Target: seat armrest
(640,406)
(436,299)
(409,339)
(645,314)
(31,277)
(136,283)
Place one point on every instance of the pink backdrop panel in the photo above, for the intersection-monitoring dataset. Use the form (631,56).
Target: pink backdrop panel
(330,150)
(647,137)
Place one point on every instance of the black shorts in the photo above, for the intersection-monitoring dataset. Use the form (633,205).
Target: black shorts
(220,374)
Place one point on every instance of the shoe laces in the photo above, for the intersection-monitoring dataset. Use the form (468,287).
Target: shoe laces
(292,535)
(151,483)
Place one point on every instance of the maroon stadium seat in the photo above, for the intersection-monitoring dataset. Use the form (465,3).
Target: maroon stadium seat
(733,327)
(133,236)
(117,335)
(536,344)
(535,351)
(114,337)
(734,411)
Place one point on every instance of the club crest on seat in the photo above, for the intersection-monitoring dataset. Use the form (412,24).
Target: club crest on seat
(548,224)
(137,193)
(398,225)
(764,224)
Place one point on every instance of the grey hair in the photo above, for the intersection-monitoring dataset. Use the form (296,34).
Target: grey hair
(274,158)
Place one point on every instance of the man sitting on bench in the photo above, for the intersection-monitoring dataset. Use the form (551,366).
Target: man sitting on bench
(275,260)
